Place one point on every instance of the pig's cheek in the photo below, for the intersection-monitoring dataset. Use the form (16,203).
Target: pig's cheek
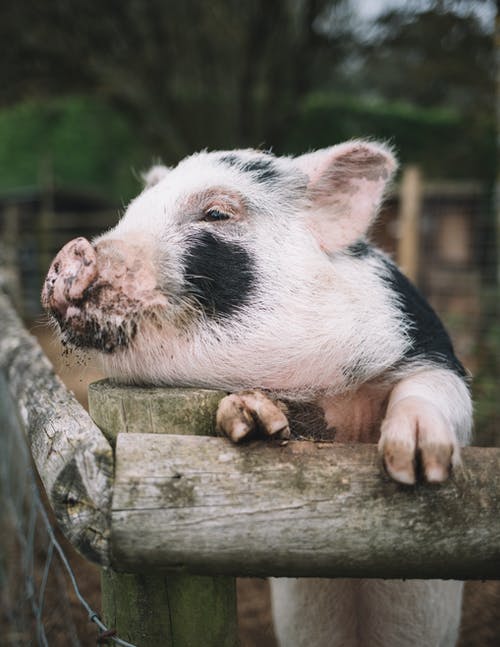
(415,439)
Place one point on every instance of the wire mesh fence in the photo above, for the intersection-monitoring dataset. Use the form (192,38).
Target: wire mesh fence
(41,578)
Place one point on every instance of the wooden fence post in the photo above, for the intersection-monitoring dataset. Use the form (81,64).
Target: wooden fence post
(9,248)
(173,610)
(409,217)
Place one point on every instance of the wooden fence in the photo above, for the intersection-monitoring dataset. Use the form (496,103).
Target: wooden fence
(172,513)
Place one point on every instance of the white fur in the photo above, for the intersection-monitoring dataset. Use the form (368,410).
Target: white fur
(299,335)
(348,313)
(366,613)
(446,391)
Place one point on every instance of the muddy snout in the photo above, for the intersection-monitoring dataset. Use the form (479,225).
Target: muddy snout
(99,292)
(72,272)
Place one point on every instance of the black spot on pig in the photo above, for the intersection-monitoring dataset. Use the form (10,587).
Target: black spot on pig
(429,339)
(219,274)
(231,160)
(263,168)
(360,249)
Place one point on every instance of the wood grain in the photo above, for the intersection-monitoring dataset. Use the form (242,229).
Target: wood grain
(73,458)
(302,509)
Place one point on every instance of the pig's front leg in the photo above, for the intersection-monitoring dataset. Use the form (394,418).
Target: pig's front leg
(248,413)
(428,416)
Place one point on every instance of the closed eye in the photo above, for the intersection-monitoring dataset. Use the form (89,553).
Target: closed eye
(215,215)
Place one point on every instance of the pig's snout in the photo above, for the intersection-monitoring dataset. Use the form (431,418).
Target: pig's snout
(73,271)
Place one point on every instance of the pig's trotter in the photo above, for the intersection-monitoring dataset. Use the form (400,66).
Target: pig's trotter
(416,438)
(249,413)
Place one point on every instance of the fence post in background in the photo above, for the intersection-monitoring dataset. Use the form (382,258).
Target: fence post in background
(9,263)
(409,217)
(46,216)
(174,609)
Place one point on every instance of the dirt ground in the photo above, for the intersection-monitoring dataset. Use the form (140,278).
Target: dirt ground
(481,620)
(75,369)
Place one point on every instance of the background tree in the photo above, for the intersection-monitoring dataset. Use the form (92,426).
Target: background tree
(186,73)
(287,74)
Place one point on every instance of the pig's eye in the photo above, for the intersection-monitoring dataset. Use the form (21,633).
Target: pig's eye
(214,215)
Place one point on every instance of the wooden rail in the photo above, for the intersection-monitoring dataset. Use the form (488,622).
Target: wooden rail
(199,505)
(72,456)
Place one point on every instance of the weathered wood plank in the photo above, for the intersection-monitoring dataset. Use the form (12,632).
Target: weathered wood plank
(73,458)
(133,409)
(182,610)
(170,611)
(408,241)
(303,509)
(130,605)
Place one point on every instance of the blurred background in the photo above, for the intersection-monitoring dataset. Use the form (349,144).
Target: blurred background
(92,93)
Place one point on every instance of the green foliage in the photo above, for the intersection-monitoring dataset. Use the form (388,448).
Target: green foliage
(74,142)
(167,78)
(435,138)
(440,55)
(187,74)
(288,74)
(82,142)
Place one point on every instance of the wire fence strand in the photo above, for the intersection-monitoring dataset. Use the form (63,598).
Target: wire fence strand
(35,602)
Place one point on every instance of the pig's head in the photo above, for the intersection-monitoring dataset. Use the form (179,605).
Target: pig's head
(222,271)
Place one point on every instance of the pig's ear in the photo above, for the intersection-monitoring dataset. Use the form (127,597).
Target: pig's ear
(154,175)
(345,189)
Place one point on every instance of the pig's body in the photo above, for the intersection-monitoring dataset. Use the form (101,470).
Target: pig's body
(251,273)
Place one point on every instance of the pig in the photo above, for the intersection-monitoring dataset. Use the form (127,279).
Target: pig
(254,274)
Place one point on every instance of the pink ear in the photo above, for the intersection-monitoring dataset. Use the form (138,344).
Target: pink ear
(346,186)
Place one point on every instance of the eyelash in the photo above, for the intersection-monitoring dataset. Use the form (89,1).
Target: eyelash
(215,215)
